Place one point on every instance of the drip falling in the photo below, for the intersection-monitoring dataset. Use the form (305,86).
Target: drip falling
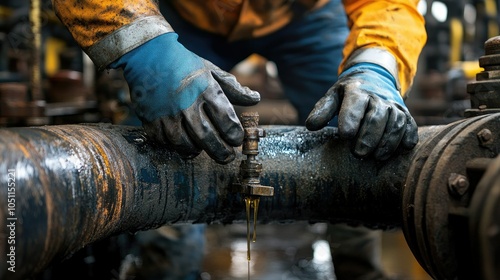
(249,175)
(251,202)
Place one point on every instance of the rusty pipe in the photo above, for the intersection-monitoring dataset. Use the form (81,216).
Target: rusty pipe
(76,184)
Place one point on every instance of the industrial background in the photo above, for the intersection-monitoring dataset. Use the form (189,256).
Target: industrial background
(451,179)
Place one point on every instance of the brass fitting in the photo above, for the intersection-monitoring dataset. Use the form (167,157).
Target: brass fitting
(250,168)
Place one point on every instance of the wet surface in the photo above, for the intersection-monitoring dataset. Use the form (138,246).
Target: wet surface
(282,251)
(293,251)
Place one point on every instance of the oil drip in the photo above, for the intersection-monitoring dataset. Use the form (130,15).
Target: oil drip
(250,169)
(251,202)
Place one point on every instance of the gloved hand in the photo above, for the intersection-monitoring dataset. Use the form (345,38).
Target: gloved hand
(370,110)
(184,100)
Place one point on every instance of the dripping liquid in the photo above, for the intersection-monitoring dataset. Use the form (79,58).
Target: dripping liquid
(251,202)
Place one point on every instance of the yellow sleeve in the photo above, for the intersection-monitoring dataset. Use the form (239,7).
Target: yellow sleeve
(393,25)
(91,20)
(106,29)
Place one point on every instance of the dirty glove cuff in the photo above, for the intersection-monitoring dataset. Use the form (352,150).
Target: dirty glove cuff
(126,39)
(377,80)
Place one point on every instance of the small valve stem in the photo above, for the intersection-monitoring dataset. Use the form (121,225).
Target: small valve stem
(250,168)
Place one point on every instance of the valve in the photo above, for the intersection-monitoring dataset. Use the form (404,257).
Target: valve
(250,168)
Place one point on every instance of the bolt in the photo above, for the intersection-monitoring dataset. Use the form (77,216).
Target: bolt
(485,136)
(492,45)
(458,184)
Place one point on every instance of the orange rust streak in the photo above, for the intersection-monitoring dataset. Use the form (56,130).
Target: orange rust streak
(109,170)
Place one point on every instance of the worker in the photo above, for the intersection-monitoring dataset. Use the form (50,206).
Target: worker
(349,63)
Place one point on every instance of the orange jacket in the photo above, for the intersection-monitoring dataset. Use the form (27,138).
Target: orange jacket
(241,19)
(394,25)
(108,29)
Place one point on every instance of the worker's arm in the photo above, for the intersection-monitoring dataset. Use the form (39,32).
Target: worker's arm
(392,25)
(380,61)
(182,99)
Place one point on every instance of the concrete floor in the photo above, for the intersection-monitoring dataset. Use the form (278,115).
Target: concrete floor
(283,252)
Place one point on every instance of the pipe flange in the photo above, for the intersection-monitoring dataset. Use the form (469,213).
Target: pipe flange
(437,194)
(484,223)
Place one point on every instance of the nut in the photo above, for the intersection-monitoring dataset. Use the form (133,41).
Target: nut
(458,184)
(485,136)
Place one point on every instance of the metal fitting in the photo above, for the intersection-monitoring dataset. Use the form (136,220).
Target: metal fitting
(485,91)
(485,136)
(250,168)
(458,184)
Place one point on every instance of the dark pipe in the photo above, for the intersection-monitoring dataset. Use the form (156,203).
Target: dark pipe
(76,184)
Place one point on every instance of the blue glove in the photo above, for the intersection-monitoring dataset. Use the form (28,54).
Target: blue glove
(184,100)
(370,110)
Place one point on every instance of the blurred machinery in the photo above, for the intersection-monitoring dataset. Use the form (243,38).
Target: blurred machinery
(45,78)
(456,32)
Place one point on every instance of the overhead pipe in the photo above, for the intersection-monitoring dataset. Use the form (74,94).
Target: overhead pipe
(76,184)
